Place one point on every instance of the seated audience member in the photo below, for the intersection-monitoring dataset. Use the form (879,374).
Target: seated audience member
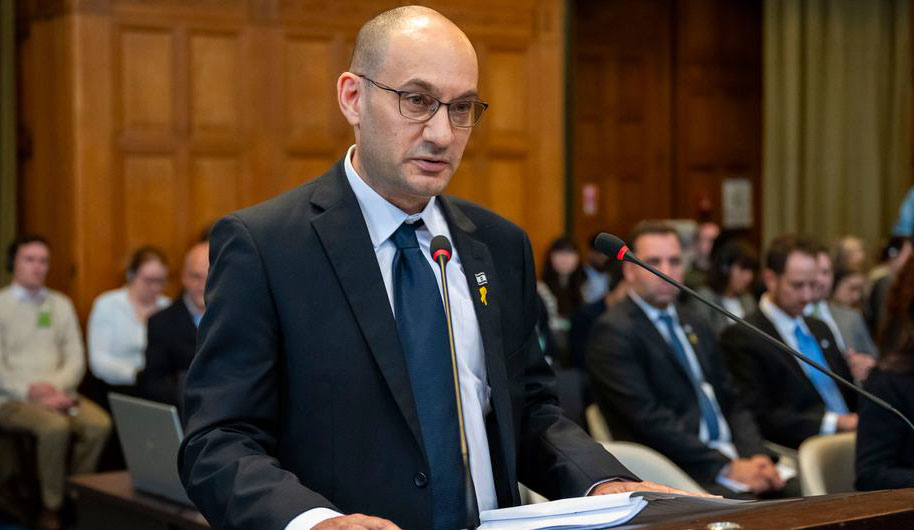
(117,322)
(41,364)
(849,251)
(878,293)
(659,378)
(791,400)
(697,274)
(173,333)
(561,290)
(885,445)
(846,325)
(583,319)
(904,226)
(850,285)
(596,272)
(730,280)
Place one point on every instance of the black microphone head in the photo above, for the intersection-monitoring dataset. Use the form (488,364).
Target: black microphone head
(612,246)
(440,246)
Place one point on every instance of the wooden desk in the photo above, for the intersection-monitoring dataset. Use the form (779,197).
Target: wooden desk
(873,510)
(108,501)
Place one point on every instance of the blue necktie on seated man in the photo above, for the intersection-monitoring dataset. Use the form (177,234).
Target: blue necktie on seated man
(825,385)
(423,333)
(704,402)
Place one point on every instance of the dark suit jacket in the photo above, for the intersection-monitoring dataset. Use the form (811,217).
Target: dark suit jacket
(172,338)
(299,396)
(885,445)
(647,396)
(786,405)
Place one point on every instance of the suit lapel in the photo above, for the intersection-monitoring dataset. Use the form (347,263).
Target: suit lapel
(690,328)
(767,326)
(647,329)
(344,236)
(476,258)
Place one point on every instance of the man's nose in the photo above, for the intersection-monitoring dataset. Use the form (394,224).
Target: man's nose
(438,128)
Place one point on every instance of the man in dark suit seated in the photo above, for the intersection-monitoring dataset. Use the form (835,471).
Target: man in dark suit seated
(791,400)
(173,333)
(322,384)
(660,379)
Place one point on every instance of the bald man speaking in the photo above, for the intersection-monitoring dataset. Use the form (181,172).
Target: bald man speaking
(322,386)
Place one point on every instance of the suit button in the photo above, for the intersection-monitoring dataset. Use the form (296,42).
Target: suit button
(420,480)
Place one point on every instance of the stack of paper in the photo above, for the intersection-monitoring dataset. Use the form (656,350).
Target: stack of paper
(598,511)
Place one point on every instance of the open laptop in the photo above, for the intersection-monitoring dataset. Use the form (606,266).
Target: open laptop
(150,434)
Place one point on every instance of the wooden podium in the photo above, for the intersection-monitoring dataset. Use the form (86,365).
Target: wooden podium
(108,501)
(877,509)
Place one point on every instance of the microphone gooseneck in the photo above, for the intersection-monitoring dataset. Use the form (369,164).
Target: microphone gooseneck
(615,248)
(440,249)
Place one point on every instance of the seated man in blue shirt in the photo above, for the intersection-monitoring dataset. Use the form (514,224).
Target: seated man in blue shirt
(791,400)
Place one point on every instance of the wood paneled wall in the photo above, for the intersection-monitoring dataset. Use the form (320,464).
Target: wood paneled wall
(666,105)
(147,120)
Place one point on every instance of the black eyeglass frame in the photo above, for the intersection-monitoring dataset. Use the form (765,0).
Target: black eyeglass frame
(448,104)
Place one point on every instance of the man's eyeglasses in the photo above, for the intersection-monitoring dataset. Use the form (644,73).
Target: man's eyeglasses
(419,106)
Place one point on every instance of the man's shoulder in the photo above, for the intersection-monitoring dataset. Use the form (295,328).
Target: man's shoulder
(175,310)
(757,318)
(484,219)
(622,315)
(60,299)
(289,206)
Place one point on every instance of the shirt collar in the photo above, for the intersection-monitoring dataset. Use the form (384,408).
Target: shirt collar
(652,312)
(821,305)
(191,308)
(22,294)
(784,323)
(382,217)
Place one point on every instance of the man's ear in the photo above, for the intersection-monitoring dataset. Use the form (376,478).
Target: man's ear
(770,279)
(628,272)
(349,97)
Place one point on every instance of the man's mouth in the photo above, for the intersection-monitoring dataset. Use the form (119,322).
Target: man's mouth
(431,165)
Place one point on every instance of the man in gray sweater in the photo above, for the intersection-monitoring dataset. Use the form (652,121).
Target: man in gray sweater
(41,364)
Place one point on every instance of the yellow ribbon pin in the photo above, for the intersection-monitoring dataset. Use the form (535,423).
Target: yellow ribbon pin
(482,295)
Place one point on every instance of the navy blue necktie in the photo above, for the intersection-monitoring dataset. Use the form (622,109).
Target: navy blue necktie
(423,333)
(704,402)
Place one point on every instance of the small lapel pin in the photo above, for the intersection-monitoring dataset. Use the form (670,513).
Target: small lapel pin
(482,295)
(825,344)
(693,338)
(481,278)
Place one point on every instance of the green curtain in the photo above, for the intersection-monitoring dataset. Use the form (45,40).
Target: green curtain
(7,129)
(837,117)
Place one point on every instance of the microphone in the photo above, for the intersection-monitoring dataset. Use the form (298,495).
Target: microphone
(615,248)
(440,250)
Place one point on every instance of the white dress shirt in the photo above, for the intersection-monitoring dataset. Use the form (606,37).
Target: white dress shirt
(821,311)
(117,340)
(786,327)
(383,219)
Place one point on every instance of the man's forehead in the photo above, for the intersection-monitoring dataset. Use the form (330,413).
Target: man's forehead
(445,64)
(799,263)
(34,247)
(666,243)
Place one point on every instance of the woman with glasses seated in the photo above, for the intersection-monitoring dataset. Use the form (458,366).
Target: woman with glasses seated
(117,323)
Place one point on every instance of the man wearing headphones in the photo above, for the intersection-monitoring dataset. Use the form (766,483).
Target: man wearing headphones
(41,364)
